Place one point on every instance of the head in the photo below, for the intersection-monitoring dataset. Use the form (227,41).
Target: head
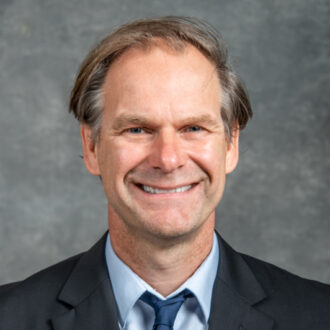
(160,111)
(87,100)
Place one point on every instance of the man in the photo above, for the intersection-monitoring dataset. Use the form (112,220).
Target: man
(160,113)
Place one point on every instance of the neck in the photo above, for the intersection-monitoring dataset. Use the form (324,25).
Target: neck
(163,262)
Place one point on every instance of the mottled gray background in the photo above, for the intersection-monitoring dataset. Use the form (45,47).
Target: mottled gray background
(276,205)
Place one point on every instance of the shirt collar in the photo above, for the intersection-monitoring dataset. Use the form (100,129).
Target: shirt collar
(128,286)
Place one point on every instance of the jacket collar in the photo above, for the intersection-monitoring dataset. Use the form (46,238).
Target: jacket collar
(89,295)
(236,290)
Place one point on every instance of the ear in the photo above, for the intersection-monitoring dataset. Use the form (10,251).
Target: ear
(89,150)
(232,154)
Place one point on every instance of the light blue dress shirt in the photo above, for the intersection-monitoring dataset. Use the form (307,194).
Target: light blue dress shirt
(134,314)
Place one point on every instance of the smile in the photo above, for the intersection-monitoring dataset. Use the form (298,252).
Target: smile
(152,190)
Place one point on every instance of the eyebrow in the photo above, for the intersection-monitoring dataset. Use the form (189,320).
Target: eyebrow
(201,119)
(131,119)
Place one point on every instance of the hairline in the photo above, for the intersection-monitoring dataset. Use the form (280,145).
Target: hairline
(178,46)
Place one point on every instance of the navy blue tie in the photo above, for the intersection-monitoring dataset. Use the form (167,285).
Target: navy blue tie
(165,310)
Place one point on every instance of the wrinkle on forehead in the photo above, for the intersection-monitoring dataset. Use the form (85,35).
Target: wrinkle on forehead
(133,56)
(173,79)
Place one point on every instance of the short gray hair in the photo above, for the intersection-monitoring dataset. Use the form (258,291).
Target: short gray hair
(86,101)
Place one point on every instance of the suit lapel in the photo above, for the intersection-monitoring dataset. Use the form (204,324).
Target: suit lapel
(235,292)
(91,304)
(88,295)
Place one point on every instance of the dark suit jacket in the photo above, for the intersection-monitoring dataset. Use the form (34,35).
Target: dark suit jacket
(248,294)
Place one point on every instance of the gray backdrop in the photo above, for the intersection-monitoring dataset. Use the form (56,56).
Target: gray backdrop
(276,204)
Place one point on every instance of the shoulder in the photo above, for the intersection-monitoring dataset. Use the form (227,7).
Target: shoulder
(35,296)
(48,279)
(35,301)
(275,278)
(289,295)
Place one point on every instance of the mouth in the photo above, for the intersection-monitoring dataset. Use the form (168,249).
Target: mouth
(154,190)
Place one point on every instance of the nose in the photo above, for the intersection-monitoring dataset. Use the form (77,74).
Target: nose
(167,152)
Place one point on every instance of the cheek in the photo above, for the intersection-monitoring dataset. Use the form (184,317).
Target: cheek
(211,157)
(117,159)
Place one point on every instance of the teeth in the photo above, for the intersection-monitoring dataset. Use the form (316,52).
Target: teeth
(151,190)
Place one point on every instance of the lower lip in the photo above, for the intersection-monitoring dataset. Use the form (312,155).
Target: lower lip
(168,195)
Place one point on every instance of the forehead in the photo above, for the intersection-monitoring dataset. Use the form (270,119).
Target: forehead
(160,77)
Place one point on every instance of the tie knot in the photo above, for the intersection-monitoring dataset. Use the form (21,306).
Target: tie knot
(165,310)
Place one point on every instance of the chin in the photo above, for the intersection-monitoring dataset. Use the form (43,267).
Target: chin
(172,227)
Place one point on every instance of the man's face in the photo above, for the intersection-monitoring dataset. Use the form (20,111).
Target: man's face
(162,152)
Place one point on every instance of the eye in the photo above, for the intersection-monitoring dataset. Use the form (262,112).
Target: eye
(136,130)
(194,128)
